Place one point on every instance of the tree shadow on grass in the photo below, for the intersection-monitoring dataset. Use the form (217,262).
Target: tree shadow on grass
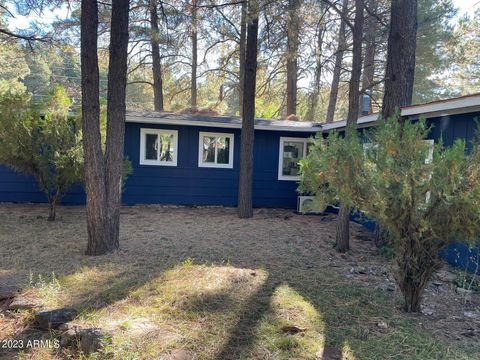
(242,337)
(340,302)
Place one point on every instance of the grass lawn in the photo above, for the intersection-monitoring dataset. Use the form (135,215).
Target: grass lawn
(219,287)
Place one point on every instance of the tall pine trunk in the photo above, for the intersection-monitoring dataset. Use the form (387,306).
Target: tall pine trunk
(103,175)
(368,73)
(243,40)
(402,43)
(293,25)
(194,37)
(337,70)
(156,62)
(245,209)
(343,235)
(400,70)
(116,109)
(96,207)
(313,99)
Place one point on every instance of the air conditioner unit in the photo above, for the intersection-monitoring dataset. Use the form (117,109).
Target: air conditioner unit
(305,205)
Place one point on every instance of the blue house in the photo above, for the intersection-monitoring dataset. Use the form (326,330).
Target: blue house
(194,160)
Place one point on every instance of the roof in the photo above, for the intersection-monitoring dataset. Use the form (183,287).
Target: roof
(458,105)
(233,122)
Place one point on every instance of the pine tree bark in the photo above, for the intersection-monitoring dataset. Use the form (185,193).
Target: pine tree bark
(243,39)
(194,37)
(313,99)
(245,209)
(402,43)
(103,175)
(116,113)
(337,70)
(368,73)
(96,207)
(156,61)
(400,69)
(343,227)
(293,25)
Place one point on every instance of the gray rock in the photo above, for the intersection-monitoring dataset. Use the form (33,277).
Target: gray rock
(69,336)
(472,315)
(427,311)
(463,291)
(358,270)
(6,294)
(446,276)
(22,303)
(382,325)
(48,320)
(180,354)
(90,340)
(361,270)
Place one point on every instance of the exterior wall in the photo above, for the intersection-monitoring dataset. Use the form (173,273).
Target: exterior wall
(451,127)
(21,188)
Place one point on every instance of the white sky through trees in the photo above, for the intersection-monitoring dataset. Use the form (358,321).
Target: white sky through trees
(23,22)
(48,16)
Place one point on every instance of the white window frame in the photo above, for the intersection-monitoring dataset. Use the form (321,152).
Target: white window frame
(305,142)
(150,131)
(201,163)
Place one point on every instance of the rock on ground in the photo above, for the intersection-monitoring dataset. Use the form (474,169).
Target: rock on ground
(88,340)
(47,320)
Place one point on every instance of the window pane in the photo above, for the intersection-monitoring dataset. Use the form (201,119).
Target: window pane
(223,146)
(166,147)
(208,149)
(292,153)
(151,146)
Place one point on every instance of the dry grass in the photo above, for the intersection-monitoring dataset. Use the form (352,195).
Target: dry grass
(217,286)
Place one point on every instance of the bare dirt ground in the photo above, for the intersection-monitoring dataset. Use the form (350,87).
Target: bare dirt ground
(280,266)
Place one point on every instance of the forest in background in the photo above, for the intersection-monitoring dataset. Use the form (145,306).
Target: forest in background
(304,56)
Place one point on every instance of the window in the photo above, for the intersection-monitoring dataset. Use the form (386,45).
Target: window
(158,147)
(215,150)
(292,150)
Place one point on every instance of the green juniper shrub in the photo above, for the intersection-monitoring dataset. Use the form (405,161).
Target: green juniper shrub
(425,198)
(43,141)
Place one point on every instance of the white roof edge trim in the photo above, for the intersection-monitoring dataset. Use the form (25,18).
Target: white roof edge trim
(449,104)
(148,120)
(455,106)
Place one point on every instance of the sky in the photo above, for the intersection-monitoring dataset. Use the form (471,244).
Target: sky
(466,6)
(22,22)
